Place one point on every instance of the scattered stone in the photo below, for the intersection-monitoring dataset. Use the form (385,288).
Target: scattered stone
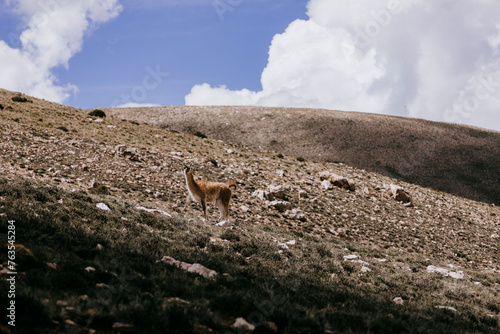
(276,192)
(154,211)
(131,154)
(324,176)
(261,194)
(119,327)
(400,195)
(244,208)
(103,206)
(446,272)
(99,247)
(398,301)
(327,185)
(303,194)
(281,206)
(62,303)
(350,257)
(365,269)
(69,322)
(295,214)
(202,329)
(242,324)
(449,308)
(193,268)
(270,327)
(52,265)
(343,183)
(222,223)
(90,269)
(177,300)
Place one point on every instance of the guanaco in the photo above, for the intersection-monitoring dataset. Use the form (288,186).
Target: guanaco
(205,192)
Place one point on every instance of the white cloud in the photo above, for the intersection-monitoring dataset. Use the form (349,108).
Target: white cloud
(413,58)
(136,105)
(54,33)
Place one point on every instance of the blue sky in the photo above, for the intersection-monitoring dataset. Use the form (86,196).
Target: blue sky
(189,40)
(436,60)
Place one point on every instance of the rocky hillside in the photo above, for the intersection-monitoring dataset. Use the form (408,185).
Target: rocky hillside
(452,158)
(344,236)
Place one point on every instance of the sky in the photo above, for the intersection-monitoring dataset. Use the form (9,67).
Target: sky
(437,60)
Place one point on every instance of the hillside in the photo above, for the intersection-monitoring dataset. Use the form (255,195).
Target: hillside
(317,260)
(453,158)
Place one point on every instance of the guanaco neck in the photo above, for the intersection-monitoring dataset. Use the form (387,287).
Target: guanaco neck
(191,183)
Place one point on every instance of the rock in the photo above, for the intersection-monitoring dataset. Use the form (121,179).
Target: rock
(324,176)
(154,211)
(350,257)
(261,194)
(400,195)
(327,185)
(365,269)
(244,208)
(61,303)
(99,247)
(52,265)
(449,308)
(276,192)
(103,206)
(398,301)
(270,327)
(119,327)
(295,214)
(193,268)
(90,269)
(281,206)
(242,324)
(303,194)
(343,183)
(69,322)
(202,329)
(446,272)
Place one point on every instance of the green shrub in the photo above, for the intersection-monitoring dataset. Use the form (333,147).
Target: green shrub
(19,98)
(199,134)
(280,156)
(97,113)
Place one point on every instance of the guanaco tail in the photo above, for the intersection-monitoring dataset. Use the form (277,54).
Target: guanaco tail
(205,192)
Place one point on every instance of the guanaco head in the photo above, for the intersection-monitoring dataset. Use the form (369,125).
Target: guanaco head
(187,168)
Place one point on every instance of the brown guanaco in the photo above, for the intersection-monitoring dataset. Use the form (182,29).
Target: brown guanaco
(205,192)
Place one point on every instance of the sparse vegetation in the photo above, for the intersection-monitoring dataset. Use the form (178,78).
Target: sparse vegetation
(97,113)
(113,275)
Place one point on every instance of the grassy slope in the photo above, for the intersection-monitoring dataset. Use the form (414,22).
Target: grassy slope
(452,158)
(306,287)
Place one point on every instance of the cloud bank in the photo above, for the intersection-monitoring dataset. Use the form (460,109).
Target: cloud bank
(54,33)
(437,60)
